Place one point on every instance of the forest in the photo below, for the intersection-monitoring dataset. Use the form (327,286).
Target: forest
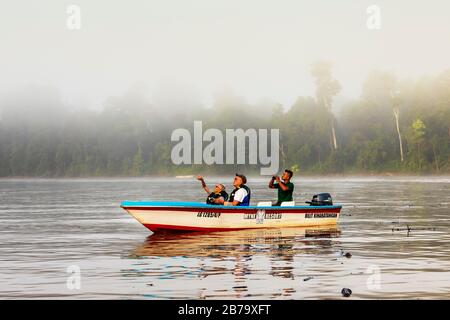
(395,126)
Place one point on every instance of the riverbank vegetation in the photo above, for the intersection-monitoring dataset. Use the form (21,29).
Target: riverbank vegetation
(396,125)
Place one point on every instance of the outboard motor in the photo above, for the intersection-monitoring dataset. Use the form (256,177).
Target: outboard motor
(321,199)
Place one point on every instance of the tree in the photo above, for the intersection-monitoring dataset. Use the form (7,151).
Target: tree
(41,136)
(326,89)
(396,111)
(417,134)
(137,162)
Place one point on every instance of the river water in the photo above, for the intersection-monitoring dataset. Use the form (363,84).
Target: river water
(69,239)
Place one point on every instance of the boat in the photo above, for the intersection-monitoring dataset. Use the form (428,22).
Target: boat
(195,216)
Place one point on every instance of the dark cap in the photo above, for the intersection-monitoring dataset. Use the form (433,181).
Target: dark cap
(244,179)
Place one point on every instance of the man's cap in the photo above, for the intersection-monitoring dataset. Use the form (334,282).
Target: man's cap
(244,179)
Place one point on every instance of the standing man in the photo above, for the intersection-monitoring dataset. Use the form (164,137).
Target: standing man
(241,194)
(218,196)
(285,187)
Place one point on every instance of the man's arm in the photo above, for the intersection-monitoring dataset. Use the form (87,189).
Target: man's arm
(234,203)
(219,200)
(204,186)
(271,183)
(238,198)
(281,184)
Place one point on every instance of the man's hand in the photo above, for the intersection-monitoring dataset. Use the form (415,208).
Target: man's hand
(277,178)
(271,182)
(200,178)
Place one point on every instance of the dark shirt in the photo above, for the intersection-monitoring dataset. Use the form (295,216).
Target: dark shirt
(212,196)
(284,195)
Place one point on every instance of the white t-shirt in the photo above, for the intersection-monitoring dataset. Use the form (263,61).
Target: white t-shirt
(240,195)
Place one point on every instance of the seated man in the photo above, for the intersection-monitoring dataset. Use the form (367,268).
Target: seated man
(240,196)
(285,187)
(218,196)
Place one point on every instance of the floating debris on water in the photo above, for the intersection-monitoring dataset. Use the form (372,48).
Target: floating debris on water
(308,278)
(409,229)
(347,254)
(346,292)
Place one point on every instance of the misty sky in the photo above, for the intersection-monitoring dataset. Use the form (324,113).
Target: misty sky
(260,48)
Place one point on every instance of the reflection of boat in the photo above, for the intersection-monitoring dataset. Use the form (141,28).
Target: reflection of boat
(195,216)
(241,243)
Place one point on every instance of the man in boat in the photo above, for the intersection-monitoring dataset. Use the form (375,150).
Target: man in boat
(240,196)
(218,196)
(285,187)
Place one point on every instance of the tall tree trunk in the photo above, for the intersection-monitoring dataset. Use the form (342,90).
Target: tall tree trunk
(418,156)
(283,155)
(333,131)
(318,152)
(396,115)
(436,162)
(333,134)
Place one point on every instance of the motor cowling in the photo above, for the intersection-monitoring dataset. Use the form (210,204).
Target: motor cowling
(321,199)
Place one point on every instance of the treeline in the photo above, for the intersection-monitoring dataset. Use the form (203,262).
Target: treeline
(395,126)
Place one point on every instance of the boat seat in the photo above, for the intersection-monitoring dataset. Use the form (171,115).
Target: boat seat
(288,204)
(264,204)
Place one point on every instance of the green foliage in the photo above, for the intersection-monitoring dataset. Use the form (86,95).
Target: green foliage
(131,137)
(415,136)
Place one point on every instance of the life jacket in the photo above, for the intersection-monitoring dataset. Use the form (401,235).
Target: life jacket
(213,195)
(246,201)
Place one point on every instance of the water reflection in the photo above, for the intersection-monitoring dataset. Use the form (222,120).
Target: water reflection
(236,255)
(281,243)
